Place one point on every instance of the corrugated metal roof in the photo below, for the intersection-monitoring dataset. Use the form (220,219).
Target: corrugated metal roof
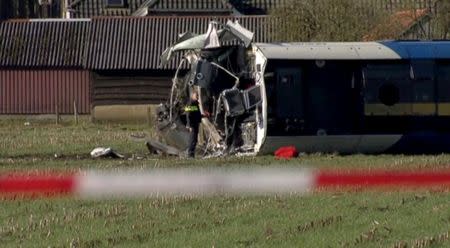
(137,43)
(43,43)
(92,8)
(196,5)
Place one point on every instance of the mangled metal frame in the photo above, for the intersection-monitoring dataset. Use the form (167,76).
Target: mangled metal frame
(235,108)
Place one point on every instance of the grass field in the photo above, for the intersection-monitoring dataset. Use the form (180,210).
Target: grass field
(320,219)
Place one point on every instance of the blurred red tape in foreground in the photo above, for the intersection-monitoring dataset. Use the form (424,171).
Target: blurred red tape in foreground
(37,184)
(207,182)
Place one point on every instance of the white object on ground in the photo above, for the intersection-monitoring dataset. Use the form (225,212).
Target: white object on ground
(105,152)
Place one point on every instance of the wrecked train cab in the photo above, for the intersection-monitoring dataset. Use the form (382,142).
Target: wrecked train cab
(221,66)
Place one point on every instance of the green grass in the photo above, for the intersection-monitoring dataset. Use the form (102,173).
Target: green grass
(41,139)
(321,219)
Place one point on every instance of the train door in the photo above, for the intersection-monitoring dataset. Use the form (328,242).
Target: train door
(422,73)
(289,94)
(289,104)
(443,84)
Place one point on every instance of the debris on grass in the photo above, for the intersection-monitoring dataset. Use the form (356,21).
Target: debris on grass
(156,147)
(102,152)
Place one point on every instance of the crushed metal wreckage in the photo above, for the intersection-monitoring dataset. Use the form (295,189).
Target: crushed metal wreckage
(220,66)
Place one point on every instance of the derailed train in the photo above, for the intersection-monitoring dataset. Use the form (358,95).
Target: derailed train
(353,97)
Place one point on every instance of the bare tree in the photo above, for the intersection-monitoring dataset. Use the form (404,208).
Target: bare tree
(413,21)
(405,22)
(443,19)
(324,20)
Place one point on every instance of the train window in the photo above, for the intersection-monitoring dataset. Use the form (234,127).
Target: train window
(423,92)
(115,3)
(388,71)
(444,72)
(422,69)
(389,94)
(443,79)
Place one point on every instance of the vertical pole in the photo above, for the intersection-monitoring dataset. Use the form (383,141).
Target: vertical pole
(57,113)
(149,115)
(44,10)
(63,8)
(75,112)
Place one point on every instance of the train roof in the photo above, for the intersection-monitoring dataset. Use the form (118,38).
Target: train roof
(383,50)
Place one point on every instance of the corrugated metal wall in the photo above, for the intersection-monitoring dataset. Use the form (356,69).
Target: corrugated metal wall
(44,91)
(122,90)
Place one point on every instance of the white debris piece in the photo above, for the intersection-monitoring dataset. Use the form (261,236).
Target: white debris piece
(101,152)
(212,38)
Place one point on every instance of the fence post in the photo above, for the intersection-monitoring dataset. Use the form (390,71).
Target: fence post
(57,113)
(75,112)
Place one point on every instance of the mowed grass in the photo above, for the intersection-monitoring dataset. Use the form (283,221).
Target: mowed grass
(44,139)
(347,218)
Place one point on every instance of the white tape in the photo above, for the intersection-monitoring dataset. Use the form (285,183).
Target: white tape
(176,182)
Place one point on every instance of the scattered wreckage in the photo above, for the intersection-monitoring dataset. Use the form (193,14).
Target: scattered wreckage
(345,97)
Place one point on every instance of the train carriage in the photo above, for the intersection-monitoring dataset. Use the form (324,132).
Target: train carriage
(368,97)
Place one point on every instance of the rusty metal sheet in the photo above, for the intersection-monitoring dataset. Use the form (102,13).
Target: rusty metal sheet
(44,91)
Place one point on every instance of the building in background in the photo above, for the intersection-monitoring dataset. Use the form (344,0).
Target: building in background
(106,66)
(41,67)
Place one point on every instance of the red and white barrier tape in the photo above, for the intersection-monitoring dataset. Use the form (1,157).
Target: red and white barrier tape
(174,182)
